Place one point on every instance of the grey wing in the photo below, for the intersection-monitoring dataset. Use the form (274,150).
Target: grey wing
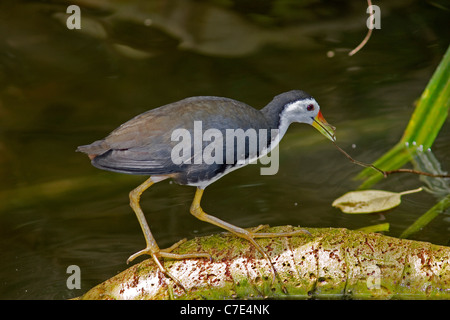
(138,146)
(140,160)
(136,161)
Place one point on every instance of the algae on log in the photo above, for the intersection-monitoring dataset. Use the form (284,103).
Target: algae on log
(331,263)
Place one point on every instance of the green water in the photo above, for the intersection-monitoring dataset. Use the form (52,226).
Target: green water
(61,88)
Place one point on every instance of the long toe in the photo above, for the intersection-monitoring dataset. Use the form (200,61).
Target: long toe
(139,253)
(167,253)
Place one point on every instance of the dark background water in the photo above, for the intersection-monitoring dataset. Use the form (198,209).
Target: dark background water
(61,88)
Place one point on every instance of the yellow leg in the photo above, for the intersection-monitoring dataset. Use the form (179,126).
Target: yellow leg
(152,248)
(198,212)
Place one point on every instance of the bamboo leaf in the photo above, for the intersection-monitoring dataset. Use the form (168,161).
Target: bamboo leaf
(424,160)
(423,127)
(439,187)
(427,217)
(369,201)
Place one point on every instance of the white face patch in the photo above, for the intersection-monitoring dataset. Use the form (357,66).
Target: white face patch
(302,111)
(300,108)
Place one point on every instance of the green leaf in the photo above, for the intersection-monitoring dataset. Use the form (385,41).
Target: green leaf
(423,127)
(427,217)
(368,201)
(375,228)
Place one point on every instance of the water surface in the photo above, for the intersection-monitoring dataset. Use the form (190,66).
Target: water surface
(62,88)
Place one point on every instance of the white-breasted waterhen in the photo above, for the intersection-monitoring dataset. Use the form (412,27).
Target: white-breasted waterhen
(144,146)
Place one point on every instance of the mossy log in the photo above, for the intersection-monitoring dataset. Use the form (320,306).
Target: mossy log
(330,263)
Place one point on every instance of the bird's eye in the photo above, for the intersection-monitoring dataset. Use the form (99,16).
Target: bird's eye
(310,107)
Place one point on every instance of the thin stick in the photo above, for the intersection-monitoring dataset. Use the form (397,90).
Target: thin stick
(362,164)
(418,172)
(386,173)
(369,165)
(366,39)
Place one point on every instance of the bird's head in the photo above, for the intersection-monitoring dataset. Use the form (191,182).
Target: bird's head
(304,109)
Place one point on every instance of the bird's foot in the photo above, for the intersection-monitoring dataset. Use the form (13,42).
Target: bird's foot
(167,253)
